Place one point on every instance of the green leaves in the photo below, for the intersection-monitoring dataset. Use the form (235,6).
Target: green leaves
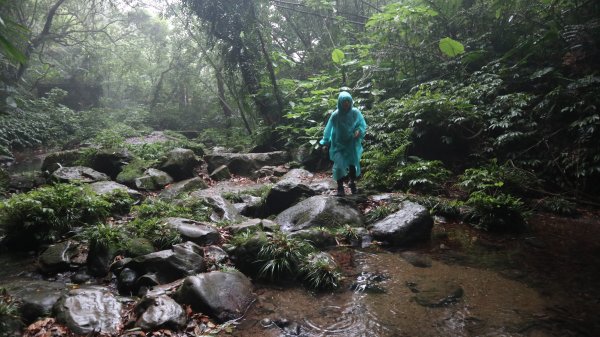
(451,47)
(337,56)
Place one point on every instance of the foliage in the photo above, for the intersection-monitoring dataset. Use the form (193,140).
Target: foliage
(103,234)
(558,205)
(45,214)
(156,230)
(497,213)
(422,176)
(347,233)
(440,206)
(320,273)
(281,256)
(494,177)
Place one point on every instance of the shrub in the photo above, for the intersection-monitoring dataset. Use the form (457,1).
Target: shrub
(440,206)
(320,272)
(43,215)
(499,213)
(421,176)
(560,206)
(281,256)
(103,234)
(154,230)
(494,177)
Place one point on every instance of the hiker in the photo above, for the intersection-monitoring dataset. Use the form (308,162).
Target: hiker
(343,137)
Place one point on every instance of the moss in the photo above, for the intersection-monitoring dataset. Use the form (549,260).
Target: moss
(133,170)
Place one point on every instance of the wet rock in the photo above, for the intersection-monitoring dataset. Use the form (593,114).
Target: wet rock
(245,164)
(417,260)
(319,211)
(79,174)
(82,276)
(160,312)
(175,190)
(224,295)
(107,187)
(215,254)
(220,173)
(250,225)
(437,295)
(369,283)
(290,328)
(317,237)
(288,191)
(245,254)
(99,259)
(88,310)
(180,163)
(165,266)
(153,179)
(197,232)
(126,281)
(251,206)
(37,297)
(267,171)
(223,209)
(57,258)
(55,160)
(138,246)
(411,224)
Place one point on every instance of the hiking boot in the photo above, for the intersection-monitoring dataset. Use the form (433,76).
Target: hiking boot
(353,187)
(340,192)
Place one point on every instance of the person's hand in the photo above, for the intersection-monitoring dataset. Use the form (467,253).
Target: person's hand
(356,134)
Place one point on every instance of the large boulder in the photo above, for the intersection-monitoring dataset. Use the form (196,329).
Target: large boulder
(292,188)
(153,179)
(55,160)
(89,310)
(411,224)
(36,297)
(223,210)
(108,187)
(223,295)
(179,188)
(79,174)
(161,267)
(180,164)
(159,312)
(23,181)
(319,211)
(197,232)
(245,164)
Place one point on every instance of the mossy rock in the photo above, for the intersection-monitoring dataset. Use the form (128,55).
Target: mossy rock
(55,160)
(138,247)
(132,171)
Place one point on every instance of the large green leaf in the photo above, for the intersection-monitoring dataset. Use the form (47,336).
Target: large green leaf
(337,56)
(451,47)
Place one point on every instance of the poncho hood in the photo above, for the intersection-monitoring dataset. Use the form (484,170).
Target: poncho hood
(344,96)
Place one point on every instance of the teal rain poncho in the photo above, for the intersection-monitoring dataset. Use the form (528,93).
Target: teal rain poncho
(344,149)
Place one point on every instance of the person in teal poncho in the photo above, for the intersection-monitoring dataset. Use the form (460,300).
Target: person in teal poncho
(343,137)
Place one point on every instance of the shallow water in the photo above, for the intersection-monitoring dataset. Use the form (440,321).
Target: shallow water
(491,305)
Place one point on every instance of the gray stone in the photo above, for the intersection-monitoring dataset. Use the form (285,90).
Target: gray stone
(245,164)
(110,162)
(319,211)
(57,258)
(78,174)
(246,226)
(55,160)
(223,210)
(181,187)
(160,312)
(107,187)
(319,238)
(411,224)
(37,297)
(25,181)
(89,310)
(220,173)
(164,266)
(180,164)
(288,191)
(223,295)
(197,232)
(216,254)
(153,179)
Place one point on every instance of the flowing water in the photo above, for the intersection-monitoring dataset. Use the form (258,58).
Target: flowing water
(488,305)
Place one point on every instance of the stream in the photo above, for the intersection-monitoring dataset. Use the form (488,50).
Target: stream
(409,301)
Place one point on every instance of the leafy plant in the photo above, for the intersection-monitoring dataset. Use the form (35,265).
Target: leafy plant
(560,206)
(498,213)
(320,272)
(103,234)
(43,215)
(156,230)
(381,212)
(440,206)
(494,177)
(422,176)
